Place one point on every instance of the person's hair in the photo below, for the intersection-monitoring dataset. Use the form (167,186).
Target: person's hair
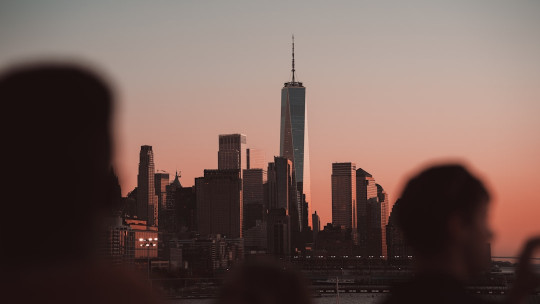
(431,198)
(56,125)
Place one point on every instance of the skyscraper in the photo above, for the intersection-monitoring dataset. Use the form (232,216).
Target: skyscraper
(367,217)
(147,205)
(316,222)
(232,152)
(161,181)
(282,201)
(294,138)
(219,203)
(253,196)
(344,195)
(383,207)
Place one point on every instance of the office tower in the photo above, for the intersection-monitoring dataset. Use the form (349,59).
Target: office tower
(281,187)
(344,195)
(282,205)
(366,197)
(256,159)
(161,181)
(294,143)
(180,209)
(316,221)
(146,195)
(383,207)
(219,203)
(253,196)
(279,232)
(398,247)
(232,152)
(254,221)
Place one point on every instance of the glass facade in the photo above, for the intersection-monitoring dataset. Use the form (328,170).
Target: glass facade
(293,138)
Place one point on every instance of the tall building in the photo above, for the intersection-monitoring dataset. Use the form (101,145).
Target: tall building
(256,159)
(161,181)
(219,203)
(282,204)
(232,152)
(253,196)
(294,143)
(366,197)
(254,220)
(316,221)
(181,207)
(147,201)
(344,195)
(383,207)
(279,232)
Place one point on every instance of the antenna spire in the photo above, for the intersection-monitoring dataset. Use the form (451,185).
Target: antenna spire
(293,70)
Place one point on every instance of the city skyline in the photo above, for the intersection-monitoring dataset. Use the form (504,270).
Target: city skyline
(391,87)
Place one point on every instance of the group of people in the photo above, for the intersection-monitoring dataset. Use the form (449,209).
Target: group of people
(56,124)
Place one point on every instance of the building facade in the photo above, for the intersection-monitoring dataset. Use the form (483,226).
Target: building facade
(219,203)
(232,152)
(147,201)
(294,143)
(344,195)
(366,198)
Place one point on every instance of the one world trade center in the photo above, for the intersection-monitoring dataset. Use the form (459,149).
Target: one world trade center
(294,143)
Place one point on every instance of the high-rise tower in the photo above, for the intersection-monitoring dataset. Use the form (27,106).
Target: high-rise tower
(232,151)
(294,139)
(147,201)
(344,195)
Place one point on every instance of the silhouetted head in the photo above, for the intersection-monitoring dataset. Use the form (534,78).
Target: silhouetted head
(56,125)
(444,209)
(258,282)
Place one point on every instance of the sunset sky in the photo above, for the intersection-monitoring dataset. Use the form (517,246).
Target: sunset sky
(391,85)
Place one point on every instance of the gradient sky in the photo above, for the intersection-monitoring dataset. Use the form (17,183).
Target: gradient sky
(391,85)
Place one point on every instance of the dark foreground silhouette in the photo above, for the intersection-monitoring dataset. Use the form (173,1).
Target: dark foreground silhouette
(444,215)
(57,159)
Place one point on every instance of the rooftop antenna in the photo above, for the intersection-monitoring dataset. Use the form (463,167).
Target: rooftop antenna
(293,70)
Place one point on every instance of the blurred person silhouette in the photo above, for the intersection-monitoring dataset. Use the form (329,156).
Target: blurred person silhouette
(58,188)
(444,216)
(264,281)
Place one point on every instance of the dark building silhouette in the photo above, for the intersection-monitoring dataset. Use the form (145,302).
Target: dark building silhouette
(282,195)
(398,247)
(161,181)
(279,232)
(344,195)
(253,196)
(219,203)
(181,209)
(366,217)
(382,209)
(335,241)
(147,200)
(211,255)
(316,222)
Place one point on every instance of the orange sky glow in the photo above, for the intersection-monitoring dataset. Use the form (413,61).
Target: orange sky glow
(391,87)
